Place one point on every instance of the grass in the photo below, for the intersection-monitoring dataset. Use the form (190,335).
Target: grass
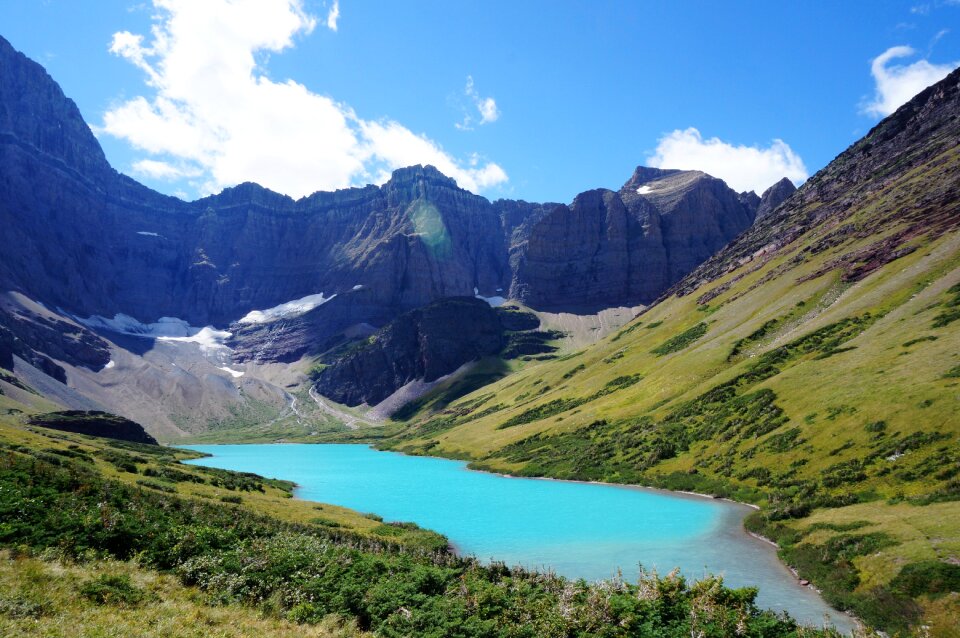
(48,598)
(826,397)
(206,564)
(807,393)
(159,469)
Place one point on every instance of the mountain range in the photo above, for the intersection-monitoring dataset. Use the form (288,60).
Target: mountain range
(797,350)
(96,263)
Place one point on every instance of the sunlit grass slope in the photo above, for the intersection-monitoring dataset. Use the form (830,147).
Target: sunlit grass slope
(55,598)
(813,367)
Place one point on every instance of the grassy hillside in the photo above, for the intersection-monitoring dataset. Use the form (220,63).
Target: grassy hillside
(812,367)
(56,598)
(105,537)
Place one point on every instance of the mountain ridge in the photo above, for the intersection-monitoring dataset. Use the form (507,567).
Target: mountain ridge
(107,263)
(43,130)
(810,367)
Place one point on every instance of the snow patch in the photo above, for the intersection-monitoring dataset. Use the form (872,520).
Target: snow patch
(286,310)
(232,373)
(125,324)
(643,190)
(147,233)
(209,338)
(164,329)
(496,301)
(109,365)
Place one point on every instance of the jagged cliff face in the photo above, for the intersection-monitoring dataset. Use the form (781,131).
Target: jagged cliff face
(80,236)
(84,238)
(774,196)
(619,248)
(426,343)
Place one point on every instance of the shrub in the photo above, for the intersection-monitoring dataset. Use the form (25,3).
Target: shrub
(570,373)
(23,607)
(110,589)
(919,340)
(876,426)
(156,486)
(951,310)
(681,341)
(927,577)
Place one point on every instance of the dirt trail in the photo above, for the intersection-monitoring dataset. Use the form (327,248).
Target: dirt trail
(351,421)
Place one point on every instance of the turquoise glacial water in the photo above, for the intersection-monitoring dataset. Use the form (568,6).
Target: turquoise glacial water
(580,530)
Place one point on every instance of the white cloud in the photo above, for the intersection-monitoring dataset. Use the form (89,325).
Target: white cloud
(164,170)
(897,83)
(213,116)
(333,15)
(486,108)
(391,145)
(743,168)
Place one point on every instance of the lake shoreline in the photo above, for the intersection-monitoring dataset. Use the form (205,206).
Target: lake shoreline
(729,525)
(698,495)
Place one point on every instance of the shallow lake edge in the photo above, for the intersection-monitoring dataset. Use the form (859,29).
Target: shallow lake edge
(683,494)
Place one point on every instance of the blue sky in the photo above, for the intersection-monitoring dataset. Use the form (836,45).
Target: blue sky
(534,100)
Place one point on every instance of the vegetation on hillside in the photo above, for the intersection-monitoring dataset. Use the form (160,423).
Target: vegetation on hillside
(70,504)
(811,368)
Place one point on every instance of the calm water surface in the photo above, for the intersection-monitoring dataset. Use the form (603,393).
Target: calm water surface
(579,530)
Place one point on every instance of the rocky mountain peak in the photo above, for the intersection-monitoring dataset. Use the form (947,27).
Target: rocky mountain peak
(644,174)
(774,196)
(34,112)
(419,173)
(750,200)
(118,247)
(247,193)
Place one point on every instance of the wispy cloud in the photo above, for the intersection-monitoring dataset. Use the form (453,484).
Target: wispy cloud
(333,15)
(936,38)
(743,168)
(924,8)
(211,115)
(897,83)
(486,108)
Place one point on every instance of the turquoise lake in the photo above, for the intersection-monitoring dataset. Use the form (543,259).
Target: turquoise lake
(579,530)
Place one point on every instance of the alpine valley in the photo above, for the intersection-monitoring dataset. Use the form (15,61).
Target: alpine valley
(798,350)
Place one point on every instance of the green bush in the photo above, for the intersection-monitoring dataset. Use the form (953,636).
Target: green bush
(114,590)
(927,577)
(23,607)
(681,341)
(308,572)
(570,373)
(951,309)
(157,486)
(876,426)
